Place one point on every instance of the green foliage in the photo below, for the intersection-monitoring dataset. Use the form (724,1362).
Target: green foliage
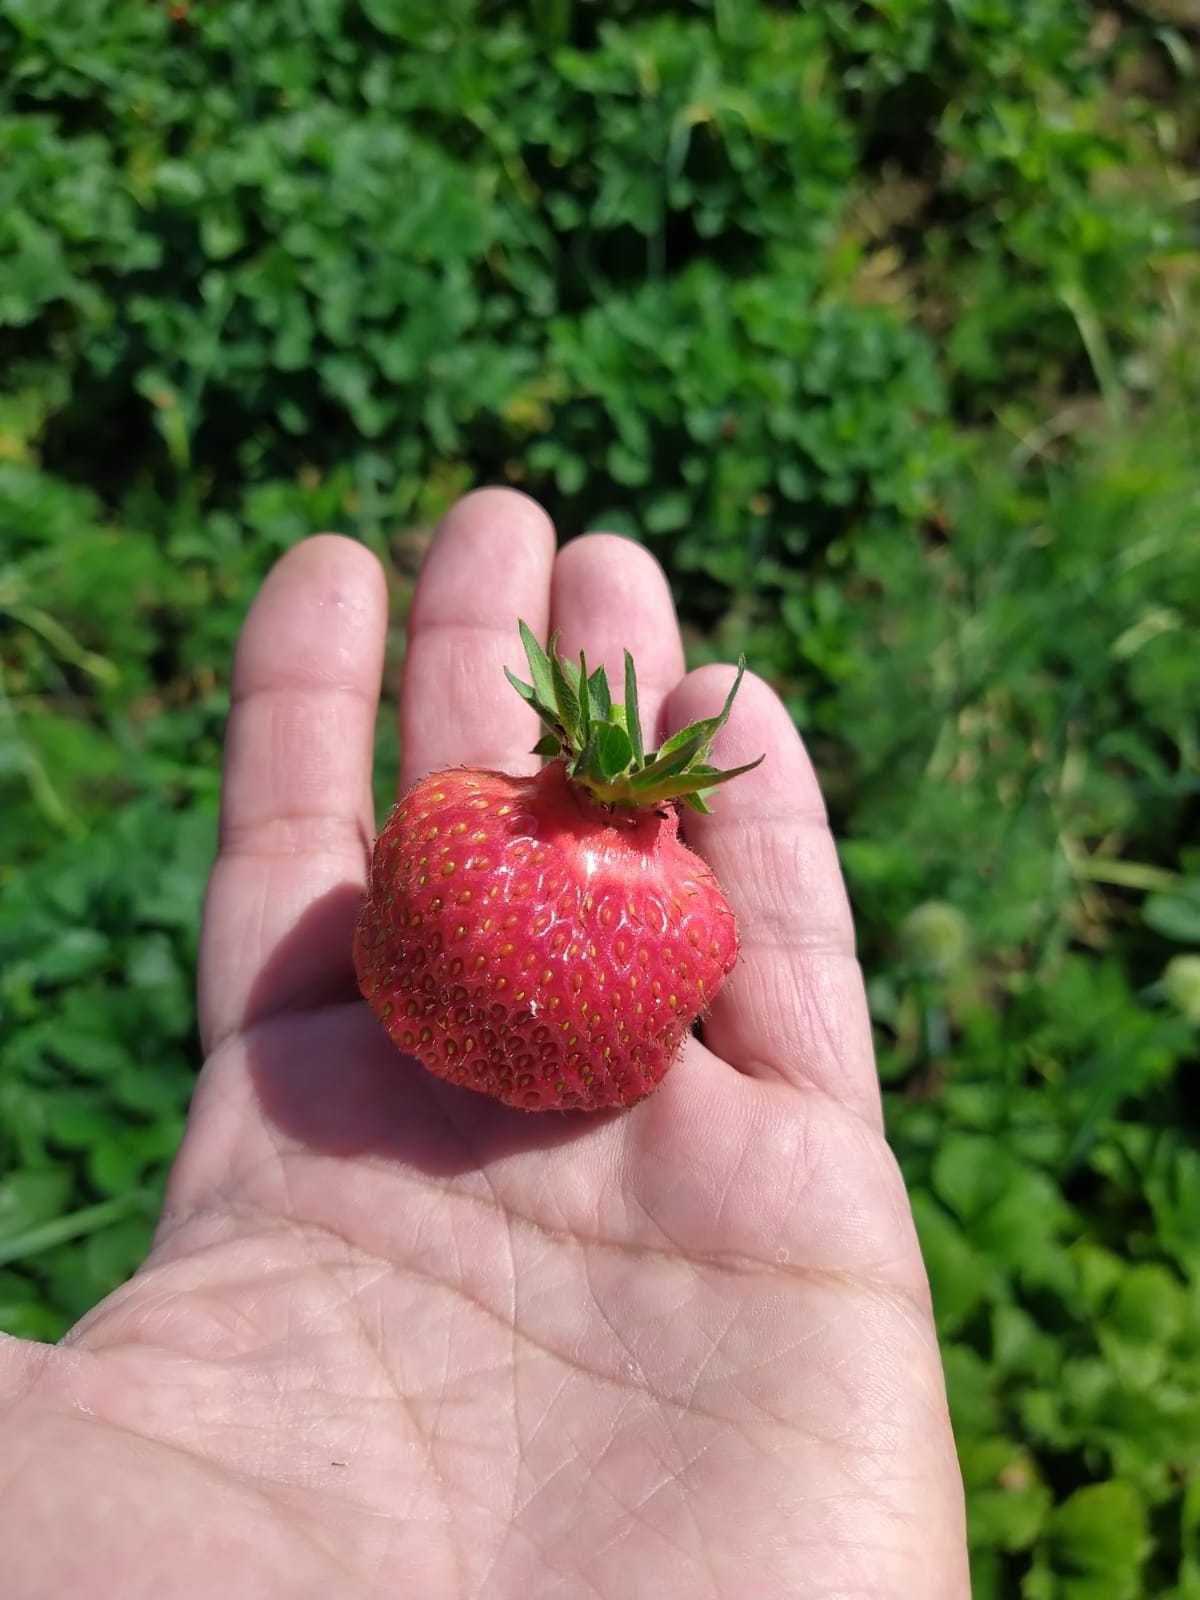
(872,320)
(97,950)
(1034,783)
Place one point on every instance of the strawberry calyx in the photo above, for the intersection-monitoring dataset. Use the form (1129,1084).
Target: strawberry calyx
(600,740)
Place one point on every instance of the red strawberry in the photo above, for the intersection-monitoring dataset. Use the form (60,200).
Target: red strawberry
(549,941)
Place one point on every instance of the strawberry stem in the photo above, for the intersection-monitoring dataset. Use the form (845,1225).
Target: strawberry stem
(600,742)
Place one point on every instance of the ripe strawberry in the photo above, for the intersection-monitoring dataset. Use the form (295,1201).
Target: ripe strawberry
(549,941)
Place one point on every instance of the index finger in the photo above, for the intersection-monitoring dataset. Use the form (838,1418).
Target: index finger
(296,818)
(489,564)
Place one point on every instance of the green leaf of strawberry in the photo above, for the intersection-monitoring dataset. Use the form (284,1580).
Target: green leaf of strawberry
(601,743)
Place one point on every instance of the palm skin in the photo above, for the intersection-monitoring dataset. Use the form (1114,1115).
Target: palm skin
(396,1340)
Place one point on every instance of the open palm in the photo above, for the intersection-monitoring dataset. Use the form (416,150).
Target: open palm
(394,1339)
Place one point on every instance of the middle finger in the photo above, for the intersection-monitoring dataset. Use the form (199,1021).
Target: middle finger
(489,563)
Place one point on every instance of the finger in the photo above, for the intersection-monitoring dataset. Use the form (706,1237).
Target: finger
(610,595)
(296,817)
(794,1006)
(489,565)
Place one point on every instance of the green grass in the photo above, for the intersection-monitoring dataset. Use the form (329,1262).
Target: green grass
(876,321)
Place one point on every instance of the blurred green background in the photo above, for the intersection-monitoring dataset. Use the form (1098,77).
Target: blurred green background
(878,323)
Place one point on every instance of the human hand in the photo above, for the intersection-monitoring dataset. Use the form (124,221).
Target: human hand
(395,1339)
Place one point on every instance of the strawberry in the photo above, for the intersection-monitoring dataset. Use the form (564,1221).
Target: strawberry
(549,940)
